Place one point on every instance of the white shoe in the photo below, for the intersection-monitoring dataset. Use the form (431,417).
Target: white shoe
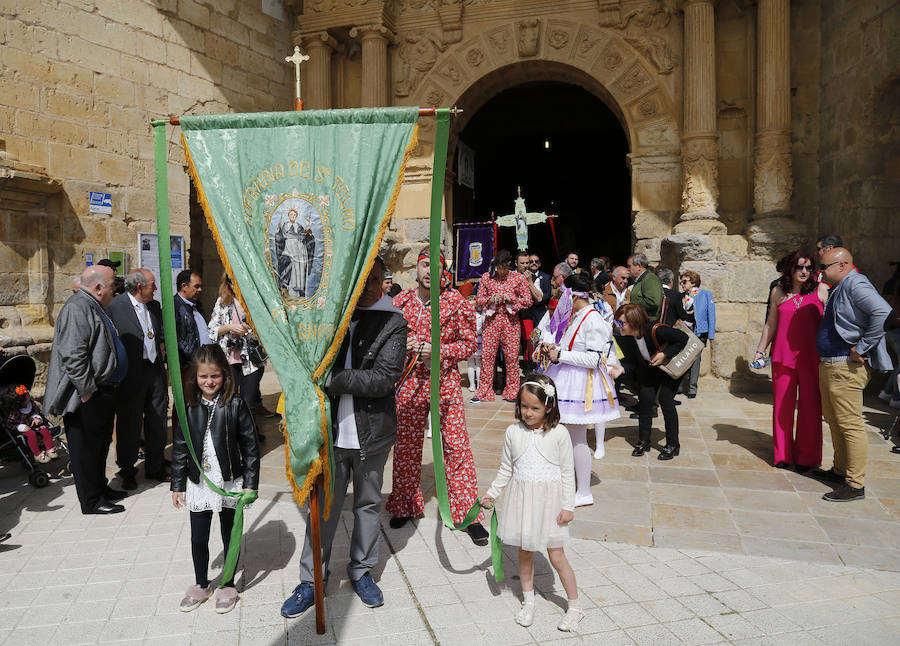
(52,454)
(571,620)
(472,389)
(600,453)
(584,501)
(42,458)
(525,616)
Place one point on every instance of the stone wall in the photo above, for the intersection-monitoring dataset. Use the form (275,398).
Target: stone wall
(859,152)
(80,81)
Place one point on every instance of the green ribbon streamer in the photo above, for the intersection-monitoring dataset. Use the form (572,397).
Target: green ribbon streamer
(168,309)
(442,135)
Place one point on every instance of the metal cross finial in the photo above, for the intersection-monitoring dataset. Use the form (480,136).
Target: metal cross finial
(297,59)
(519,190)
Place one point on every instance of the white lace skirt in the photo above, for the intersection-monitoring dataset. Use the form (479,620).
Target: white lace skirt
(528,516)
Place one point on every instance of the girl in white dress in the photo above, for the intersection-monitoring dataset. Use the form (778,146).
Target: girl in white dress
(536,463)
(578,341)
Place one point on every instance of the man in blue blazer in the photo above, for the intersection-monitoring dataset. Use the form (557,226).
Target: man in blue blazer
(851,344)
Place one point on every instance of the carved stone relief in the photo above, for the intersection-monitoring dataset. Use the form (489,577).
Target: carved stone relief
(450,15)
(558,38)
(416,55)
(657,135)
(474,57)
(500,41)
(587,43)
(434,97)
(701,176)
(528,36)
(451,71)
(650,17)
(773,180)
(633,81)
(656,50)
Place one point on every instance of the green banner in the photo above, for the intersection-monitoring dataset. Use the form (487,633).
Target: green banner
(298,203)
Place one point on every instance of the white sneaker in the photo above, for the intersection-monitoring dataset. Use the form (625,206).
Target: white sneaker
(571,620)
(525,616)
(42,458)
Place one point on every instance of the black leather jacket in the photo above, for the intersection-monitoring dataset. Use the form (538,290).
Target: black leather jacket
(234,437)
(377,357)
(185,330)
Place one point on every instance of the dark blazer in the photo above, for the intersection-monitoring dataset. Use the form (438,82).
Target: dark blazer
(675,310)
(234,437)
(539,308)
(186,330)
(671,340)
(377,357)
(122,313)
(83,356)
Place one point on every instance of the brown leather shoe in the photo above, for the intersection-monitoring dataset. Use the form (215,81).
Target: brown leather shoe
(845,494)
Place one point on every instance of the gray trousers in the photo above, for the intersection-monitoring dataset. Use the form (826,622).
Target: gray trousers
(367,476)
(694,374)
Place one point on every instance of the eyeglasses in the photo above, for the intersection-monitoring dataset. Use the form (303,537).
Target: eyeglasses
(684,280)
(803,267)
(532,262)
(823,266)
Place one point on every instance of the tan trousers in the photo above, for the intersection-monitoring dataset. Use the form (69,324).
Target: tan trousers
(841,384)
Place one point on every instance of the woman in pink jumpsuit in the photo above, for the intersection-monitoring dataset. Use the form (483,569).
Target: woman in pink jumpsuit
(500,298)
(796,307)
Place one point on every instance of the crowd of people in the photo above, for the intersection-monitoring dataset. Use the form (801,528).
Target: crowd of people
(565,348)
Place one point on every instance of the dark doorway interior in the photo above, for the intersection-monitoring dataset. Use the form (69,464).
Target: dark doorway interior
(582,176)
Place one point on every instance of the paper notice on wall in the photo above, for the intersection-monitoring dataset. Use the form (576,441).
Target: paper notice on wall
(148,253)
(100,203)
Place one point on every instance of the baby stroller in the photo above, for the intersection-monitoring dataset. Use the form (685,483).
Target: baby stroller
(20,369)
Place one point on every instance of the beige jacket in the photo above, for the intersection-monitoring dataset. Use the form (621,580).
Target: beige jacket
(555,445)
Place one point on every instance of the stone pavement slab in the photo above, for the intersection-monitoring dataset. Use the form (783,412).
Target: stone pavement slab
(724,551)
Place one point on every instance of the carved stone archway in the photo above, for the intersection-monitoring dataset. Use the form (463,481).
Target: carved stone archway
(632,76)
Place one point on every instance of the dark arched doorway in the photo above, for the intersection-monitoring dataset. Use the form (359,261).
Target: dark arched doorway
(567,151)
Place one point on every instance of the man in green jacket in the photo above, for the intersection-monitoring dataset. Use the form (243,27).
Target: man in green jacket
(647,291)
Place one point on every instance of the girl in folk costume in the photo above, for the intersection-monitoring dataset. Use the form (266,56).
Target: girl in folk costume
(473,364)
(578,344)
(538,506)
(224,438)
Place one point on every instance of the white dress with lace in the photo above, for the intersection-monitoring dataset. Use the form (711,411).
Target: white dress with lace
(532,502)
(199,497)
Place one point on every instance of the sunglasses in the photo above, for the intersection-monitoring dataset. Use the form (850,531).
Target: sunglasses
(803,267)
(823,266)
(684,280)
(618,323)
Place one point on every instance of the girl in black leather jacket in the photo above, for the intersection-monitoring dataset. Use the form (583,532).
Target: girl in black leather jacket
(224,439)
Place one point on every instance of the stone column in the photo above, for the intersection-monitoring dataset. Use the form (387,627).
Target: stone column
(773,181)
(772,231)
(374,39)
(699,144)
(316,87)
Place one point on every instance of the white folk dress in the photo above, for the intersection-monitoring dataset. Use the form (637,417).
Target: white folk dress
(587,394)
(199,497)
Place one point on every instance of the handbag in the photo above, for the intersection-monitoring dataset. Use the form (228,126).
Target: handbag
(256,352)
(681,362)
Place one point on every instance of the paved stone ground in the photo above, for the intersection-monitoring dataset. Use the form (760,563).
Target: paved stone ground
(715,547)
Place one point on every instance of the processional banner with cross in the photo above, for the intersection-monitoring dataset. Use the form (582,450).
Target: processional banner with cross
(298,203)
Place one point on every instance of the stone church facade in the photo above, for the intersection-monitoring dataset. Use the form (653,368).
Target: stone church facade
(753,126)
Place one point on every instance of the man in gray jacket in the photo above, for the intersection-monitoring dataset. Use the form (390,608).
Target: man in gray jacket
(86,365)
(851,344)
(364,429)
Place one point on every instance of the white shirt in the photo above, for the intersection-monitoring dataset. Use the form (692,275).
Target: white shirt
(642,348)
(202,332)
(347,435)
(620,296)
(143,317)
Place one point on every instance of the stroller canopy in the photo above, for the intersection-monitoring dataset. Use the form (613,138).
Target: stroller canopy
(19,369)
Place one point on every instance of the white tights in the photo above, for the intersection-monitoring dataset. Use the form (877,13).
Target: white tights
(582,455)
(600,433)
(473,369)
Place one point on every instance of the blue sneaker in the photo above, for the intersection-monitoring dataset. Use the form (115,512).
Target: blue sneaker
(303,598)
(369,593)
